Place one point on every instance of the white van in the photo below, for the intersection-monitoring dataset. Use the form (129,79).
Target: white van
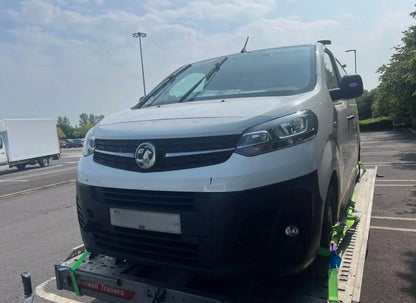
(233,164)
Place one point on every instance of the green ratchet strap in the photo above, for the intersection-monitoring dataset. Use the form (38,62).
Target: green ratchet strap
(72,272)
(338,233)
(333,285)
(324,252)
(361,166)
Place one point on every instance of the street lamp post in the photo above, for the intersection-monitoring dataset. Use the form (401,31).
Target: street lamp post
(140,36)
(355,57)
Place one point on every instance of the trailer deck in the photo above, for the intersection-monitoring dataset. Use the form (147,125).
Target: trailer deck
(112,280)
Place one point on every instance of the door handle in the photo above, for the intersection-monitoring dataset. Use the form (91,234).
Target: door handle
(350,117)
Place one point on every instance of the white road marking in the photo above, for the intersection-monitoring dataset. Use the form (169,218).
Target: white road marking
(49,172)
(12,180)
(391,164)
(395,185)
(393,218)
(382,153)
(380,146)
(391,180)
(397,162)
(363,142)
(71,155)
(71,162)
(28,191)
(27,173)
(41,293)
(393,228)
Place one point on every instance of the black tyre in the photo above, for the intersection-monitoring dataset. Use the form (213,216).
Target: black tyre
(44,162)
(21,166)
(319,267)
(357,179)
(328,220)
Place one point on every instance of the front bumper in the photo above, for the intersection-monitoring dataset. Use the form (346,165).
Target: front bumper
(222,233)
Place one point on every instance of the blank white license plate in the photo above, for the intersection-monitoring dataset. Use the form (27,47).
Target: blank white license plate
(144,220)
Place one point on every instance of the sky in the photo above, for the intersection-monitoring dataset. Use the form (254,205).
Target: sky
(66,57)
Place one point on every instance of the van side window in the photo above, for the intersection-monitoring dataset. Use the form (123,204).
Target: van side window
(1,142)
(341,69)
(331,78)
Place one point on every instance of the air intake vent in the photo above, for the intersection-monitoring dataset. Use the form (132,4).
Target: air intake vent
(146,199)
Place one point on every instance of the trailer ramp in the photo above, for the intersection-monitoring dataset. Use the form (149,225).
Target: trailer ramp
(110,280)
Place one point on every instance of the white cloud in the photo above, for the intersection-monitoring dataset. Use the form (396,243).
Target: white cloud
(34,12)
(67,61)
(229,11)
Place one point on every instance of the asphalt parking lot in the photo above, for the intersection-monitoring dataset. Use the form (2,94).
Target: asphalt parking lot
(390,268)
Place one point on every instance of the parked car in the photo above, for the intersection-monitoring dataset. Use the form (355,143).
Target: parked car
(233,164)
(79,142)
(62,143)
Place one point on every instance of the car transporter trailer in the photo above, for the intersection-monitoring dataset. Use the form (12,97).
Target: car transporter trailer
(114,281)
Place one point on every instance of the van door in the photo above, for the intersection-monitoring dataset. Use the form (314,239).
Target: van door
(3,156)
(341,121)
(353,141)
(347,125)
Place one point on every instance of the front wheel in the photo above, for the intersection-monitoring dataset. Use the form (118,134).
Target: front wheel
(328,220)
(319,267)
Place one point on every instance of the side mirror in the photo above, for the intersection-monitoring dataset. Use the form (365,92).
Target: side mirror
(351,87)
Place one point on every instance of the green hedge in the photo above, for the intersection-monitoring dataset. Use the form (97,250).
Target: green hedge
(374,124)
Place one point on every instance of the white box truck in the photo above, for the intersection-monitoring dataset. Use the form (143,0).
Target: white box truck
(28,142)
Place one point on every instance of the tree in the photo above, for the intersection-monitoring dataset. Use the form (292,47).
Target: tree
(396,94)
(364,103)
(65,126)
(83,119)
(94,119)
(81,131)
(61,134)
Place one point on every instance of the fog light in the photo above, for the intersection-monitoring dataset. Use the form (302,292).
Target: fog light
(292,231)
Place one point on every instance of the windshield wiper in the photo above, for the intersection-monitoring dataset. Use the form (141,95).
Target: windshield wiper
(215,69)
(162,86)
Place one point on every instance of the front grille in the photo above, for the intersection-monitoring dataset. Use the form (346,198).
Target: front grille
(146,199)
(145,244)
(254,237)
(171,154)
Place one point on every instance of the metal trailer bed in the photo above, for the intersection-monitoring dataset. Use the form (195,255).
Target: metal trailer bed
(110,280)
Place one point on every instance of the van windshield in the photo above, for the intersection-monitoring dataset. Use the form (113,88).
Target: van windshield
(272,72)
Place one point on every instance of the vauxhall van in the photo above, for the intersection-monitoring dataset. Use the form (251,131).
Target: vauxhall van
(233,164)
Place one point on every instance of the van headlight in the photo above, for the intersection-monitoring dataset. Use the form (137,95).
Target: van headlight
(278,133)
(89,143)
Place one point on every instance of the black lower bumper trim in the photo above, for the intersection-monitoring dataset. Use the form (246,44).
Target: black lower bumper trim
(221,233)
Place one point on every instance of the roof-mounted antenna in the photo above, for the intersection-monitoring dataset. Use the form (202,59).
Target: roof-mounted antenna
(325,42)
(244,47)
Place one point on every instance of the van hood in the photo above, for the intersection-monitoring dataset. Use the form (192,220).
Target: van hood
(202,118)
